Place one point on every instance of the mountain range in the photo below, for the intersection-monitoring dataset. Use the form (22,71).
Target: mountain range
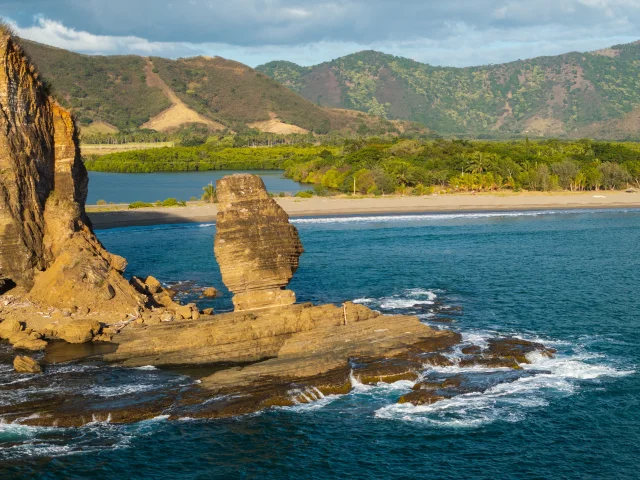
(576,94)
(115,93)
(591,94)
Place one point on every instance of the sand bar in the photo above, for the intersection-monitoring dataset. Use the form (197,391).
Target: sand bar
(333,206)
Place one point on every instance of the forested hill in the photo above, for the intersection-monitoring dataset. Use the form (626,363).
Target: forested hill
(577,94)
(130,92)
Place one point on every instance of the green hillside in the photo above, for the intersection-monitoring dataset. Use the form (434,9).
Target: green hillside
(565,95)
(110,89)
(127,92)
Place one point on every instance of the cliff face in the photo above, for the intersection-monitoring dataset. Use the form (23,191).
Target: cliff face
(26,164)
(47,246)
(255,245)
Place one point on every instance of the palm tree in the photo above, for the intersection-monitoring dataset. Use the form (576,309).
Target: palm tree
(478,163)
(209,194)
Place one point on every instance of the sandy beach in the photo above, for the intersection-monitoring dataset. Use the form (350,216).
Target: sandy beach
(121,216)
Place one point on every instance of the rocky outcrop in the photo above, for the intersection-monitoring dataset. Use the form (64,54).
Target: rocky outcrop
(255,245)
(47,246)
(23,364)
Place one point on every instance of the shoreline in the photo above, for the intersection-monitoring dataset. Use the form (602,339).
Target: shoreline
(103,218)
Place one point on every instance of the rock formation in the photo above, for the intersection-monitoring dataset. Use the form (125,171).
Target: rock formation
(255,245)
(268,352)
(47,246)
(23,364)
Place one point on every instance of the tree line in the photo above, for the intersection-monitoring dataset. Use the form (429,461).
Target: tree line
(419,166)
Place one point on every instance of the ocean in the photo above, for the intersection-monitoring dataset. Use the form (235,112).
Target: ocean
(568,279)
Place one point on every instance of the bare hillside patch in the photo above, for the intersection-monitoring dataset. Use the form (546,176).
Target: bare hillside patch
(178,113)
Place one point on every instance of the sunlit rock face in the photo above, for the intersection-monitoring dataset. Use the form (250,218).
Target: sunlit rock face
(255,245)
(47,247)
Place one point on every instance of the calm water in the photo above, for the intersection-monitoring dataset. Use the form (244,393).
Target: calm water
(150,187)
(568,279)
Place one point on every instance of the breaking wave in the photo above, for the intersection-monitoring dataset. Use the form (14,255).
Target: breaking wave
(444,216)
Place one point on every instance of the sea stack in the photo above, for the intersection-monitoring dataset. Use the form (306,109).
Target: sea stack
(47,247)
(256,247)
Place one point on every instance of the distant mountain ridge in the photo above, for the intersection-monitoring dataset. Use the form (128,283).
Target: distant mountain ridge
(129,92)
(575,94)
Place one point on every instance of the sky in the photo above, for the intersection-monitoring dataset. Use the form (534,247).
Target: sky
(439,32)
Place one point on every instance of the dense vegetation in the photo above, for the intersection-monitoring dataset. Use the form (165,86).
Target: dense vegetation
(548,96)
(205,157)
(110,89)
(382,166)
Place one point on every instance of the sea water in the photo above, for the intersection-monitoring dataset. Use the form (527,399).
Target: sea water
(568,279)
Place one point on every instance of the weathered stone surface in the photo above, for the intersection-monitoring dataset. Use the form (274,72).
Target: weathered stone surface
(255,245)
(184,311)
(47,246)
(10,327)
(210,292)
(153,285)
(79,331)
(517,348)
(24,341)
(295,331)
(421,397)
(23,364)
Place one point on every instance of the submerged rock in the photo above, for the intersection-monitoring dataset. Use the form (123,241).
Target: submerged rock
(23,364)
(255,245)
(517,349)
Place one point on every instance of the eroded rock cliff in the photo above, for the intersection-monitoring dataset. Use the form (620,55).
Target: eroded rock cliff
(47,247)
(255,245)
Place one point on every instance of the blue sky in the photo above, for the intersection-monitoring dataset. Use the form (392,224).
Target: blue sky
(445,32)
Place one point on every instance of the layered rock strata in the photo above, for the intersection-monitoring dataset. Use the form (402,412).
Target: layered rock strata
(47,246)
(256,247)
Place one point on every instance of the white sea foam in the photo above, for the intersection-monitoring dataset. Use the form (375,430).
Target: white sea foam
(550,377)
(404,300)
(437,216)
(120,390)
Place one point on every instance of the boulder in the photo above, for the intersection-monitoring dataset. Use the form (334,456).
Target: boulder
(9,328)
(23,364)
(471,350)
(79,331)
(256,247)
(210,292)
(118,263)
(24,341)
(153,285)
(184,311)
(207,311)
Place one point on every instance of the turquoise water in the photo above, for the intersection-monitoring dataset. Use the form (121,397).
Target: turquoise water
(150,187)
(568,279)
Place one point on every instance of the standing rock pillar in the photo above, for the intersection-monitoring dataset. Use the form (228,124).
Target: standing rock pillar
(255,245)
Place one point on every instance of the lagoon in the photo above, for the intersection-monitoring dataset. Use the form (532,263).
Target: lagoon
(150,187)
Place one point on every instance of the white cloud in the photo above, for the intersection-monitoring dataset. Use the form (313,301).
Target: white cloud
(55,33)
(463,45)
